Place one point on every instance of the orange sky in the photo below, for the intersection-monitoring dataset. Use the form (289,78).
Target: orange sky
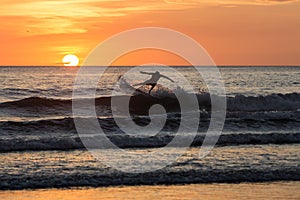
(234,32)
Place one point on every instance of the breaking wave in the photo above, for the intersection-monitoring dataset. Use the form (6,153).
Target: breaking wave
(140,103)
(125,141)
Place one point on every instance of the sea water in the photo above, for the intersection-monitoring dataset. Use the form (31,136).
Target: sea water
(40,147)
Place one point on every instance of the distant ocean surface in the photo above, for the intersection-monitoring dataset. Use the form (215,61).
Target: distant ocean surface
(40,147)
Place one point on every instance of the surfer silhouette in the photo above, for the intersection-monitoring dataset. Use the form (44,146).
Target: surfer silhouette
(153,80)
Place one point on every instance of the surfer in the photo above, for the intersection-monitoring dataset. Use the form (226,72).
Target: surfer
(153,80)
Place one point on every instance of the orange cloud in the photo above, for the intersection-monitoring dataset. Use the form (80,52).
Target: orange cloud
(70,16)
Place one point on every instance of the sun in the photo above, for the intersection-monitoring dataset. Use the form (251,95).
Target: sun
(70,60)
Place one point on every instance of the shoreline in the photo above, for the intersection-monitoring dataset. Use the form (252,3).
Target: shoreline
(263,190)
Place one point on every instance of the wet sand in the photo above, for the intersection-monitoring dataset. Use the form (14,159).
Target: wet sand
(272,190)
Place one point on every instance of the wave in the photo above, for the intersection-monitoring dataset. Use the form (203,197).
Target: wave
(140,104)
(235,121)
(273,102)
(33,102)
(107,177)
(98,177)
(125,141)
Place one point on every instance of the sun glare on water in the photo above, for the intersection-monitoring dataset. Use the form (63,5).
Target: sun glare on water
(70,60)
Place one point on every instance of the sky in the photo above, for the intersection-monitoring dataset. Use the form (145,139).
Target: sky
(234,32)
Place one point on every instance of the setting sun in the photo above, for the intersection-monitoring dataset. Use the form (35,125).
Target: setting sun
(70,60)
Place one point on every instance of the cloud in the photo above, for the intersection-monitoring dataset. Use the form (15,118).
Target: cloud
(75,16)
(230,2)
(254,2)
(68,16)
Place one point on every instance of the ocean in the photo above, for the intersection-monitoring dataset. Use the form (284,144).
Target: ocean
(40,147)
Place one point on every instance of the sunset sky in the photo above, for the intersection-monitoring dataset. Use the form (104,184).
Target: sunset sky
(234,32)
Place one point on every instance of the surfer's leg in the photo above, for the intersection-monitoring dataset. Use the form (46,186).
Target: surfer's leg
(152,86)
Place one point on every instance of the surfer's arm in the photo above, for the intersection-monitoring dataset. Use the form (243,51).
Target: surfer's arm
(167,78)
(146,73)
